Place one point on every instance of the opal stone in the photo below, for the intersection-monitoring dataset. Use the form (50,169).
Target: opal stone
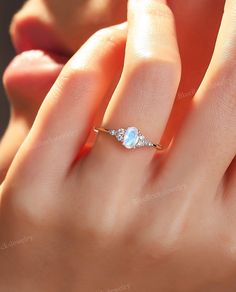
(131,137)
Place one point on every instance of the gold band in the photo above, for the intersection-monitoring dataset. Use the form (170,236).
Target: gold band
(99,129)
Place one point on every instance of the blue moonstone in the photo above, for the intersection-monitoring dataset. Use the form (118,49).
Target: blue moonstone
(131,137)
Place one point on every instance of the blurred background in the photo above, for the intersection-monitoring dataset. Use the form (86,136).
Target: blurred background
(7,10)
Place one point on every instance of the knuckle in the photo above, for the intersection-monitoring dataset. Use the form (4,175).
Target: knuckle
(79,76)
(73,80)
(227,239)
(225,87)
(156,68)
(160,10)
(24,206)
(96,232)
(152,8)
(156,249)
(107,36)
(97,235)
(11,205)
(78,69)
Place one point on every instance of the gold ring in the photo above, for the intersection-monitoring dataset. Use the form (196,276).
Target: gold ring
(130,137)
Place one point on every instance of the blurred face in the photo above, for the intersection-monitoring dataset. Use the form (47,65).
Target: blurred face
(48,32)
(63,25)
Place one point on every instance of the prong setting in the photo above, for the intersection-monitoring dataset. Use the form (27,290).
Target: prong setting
(130,137)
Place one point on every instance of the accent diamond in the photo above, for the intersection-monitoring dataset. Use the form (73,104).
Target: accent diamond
(112,132)
(120,134)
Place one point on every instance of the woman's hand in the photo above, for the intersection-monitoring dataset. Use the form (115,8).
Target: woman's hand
(119,219)
(40,23)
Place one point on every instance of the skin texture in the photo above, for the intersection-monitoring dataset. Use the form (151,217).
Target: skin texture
(71,33)
(113,218)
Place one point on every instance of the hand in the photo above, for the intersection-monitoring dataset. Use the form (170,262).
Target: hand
(26,95)
(115,217)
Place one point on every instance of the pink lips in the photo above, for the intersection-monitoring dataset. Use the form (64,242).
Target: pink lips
(30,33)
(31,74)
(33,71)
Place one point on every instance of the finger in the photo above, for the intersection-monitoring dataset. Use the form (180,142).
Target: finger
(65,117)
(14,136)
(208,140)
(146,91)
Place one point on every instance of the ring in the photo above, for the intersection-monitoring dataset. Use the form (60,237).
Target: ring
(130,137)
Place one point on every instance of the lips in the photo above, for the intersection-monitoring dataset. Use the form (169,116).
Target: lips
(30,33)
(40,60)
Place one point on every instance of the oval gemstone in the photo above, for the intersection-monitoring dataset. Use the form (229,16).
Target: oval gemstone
(130,137)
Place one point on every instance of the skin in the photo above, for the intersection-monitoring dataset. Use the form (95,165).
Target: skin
(191,33)
(113,218)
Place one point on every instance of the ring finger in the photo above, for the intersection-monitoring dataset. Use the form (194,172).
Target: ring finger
(145,94)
